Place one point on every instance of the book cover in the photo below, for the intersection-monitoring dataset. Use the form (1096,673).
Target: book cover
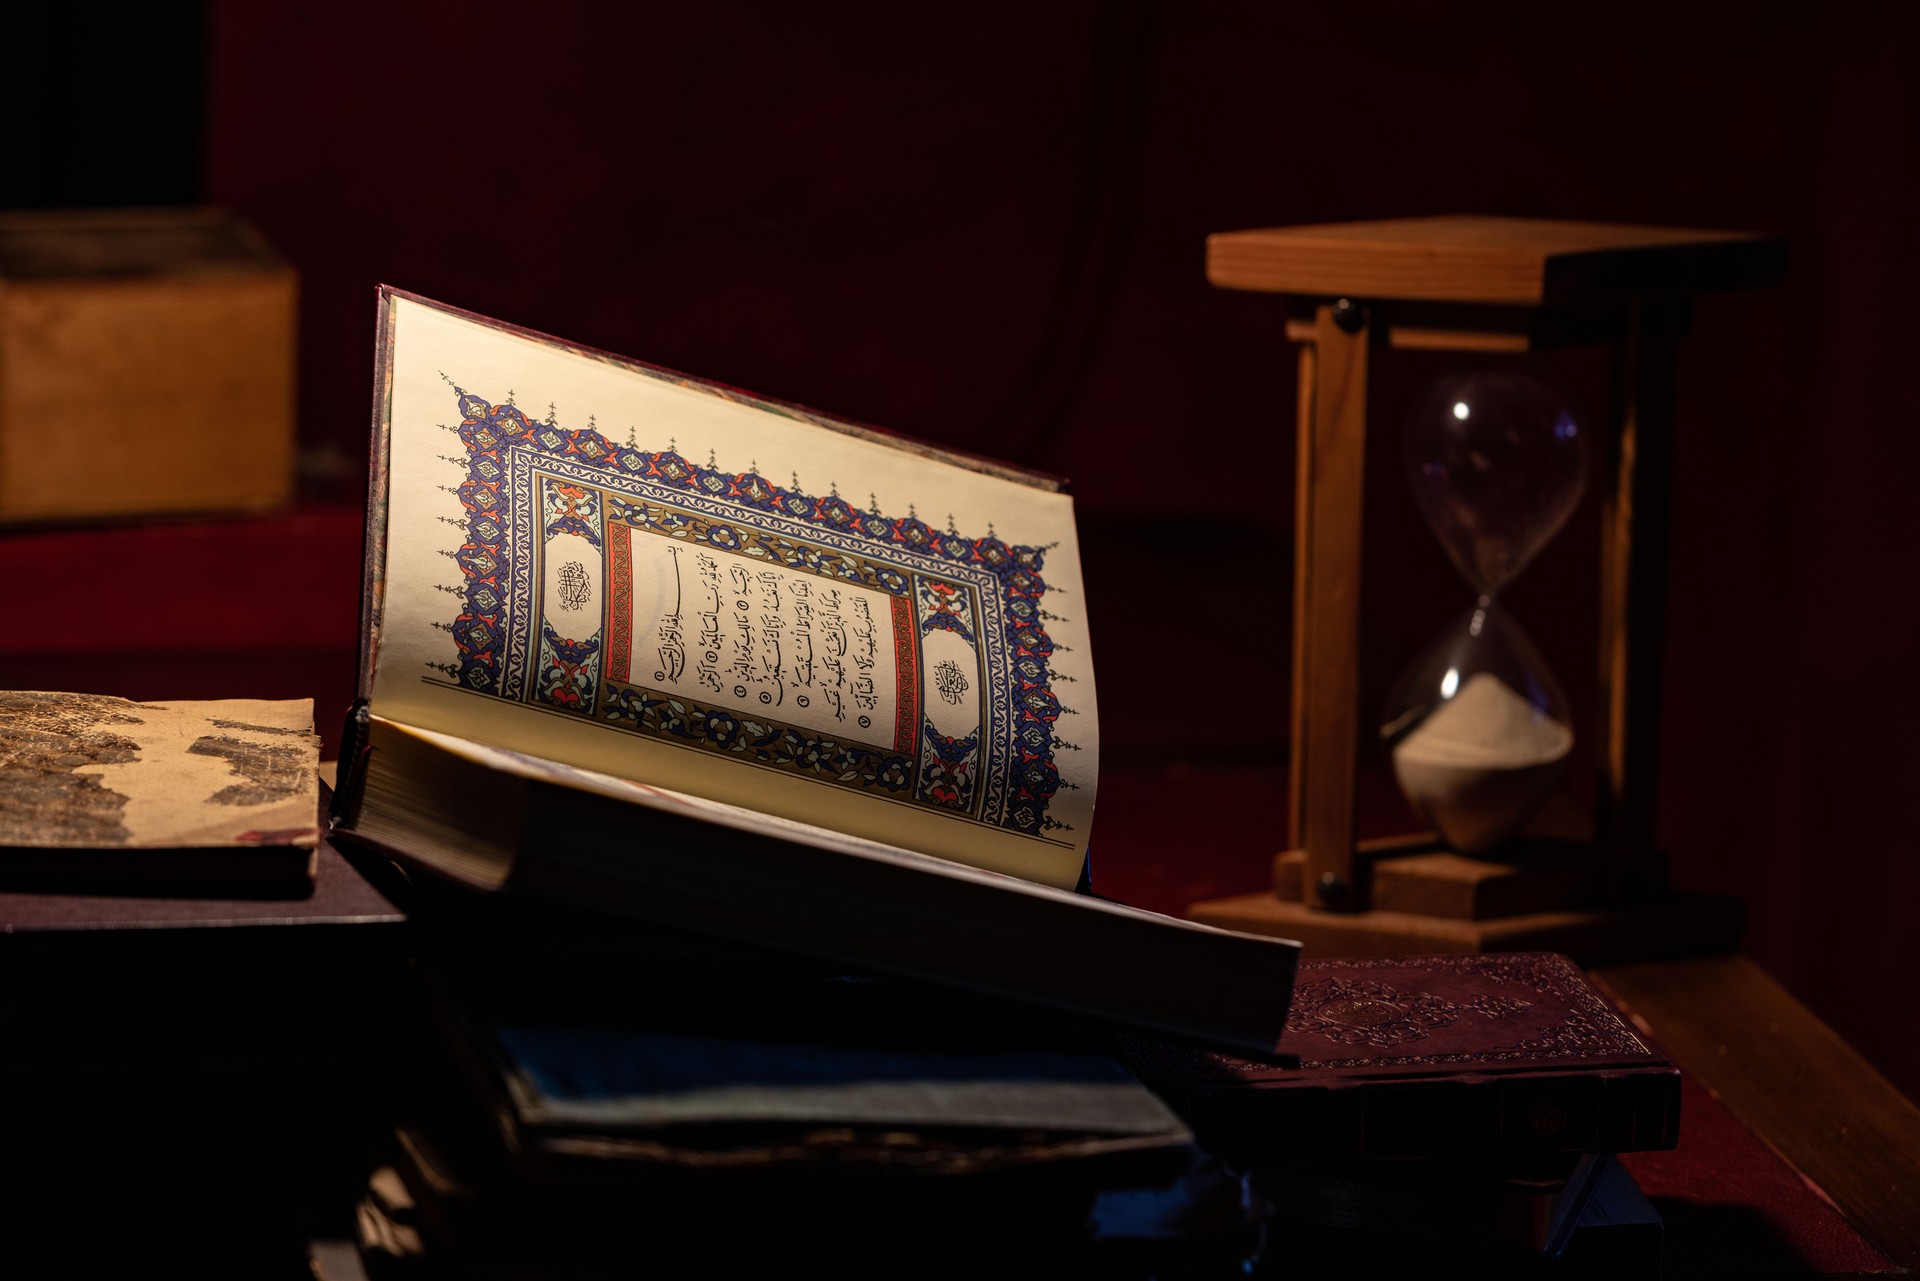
(728,1059)
(100,793)
(843,1116)
(602,1100)
(1505,1053)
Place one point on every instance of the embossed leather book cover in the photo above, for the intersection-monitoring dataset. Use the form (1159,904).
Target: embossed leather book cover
(1500,1055)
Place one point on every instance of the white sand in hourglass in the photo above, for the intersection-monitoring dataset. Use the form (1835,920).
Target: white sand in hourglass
(1481,763)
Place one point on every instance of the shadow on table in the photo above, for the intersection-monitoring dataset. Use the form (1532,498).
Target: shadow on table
(1705,1242)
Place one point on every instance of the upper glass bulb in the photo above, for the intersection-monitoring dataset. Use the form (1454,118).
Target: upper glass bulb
(1497,463)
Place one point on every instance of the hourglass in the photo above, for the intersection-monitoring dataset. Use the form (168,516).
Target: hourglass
(1477,729)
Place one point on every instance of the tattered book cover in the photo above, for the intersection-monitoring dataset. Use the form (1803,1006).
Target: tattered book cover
(86,771)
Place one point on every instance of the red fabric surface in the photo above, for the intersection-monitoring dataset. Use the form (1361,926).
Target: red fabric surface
(290,580)
(242,607)
(1735,1209)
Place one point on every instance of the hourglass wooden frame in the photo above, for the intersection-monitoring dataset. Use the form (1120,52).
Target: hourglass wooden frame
(1485,285)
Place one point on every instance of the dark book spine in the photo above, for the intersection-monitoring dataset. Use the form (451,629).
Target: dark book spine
(1493,1116)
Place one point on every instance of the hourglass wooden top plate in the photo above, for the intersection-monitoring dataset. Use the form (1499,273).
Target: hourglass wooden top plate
(1469,258)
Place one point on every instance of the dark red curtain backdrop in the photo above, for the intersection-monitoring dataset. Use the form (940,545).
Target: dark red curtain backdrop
(983,225)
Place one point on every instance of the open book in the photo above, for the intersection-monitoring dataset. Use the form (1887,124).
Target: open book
(666,649)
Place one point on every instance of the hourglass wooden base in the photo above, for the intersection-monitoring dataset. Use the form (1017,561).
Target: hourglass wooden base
(1417,875)
(1489,286)
(1678,925)
(1426,900)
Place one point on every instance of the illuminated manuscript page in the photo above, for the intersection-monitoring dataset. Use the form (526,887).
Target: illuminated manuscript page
(629,572)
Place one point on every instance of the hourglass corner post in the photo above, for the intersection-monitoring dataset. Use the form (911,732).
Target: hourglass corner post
(1636,501)
(1327,545)
(1302,337)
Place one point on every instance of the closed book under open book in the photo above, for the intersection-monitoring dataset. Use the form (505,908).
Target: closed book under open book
(1510,1055)
(670,651)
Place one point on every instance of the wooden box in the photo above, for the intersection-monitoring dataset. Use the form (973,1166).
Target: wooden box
(146,365)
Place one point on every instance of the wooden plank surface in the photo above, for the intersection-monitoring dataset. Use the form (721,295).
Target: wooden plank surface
(1466,258)
(1794,1082)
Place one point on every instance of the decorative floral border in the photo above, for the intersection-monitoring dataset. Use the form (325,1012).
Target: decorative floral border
(492,632)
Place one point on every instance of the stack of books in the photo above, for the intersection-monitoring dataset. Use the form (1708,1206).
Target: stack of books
(576,1120)
(620,655)
(658,674)
(1475,1102)
(650,659)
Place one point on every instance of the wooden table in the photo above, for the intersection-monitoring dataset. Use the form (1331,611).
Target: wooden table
(1793,1082)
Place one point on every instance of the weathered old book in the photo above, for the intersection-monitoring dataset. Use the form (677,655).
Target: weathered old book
(842,1116)
(653,646)
(104,794)
(583,1096)
(815,1076)
(1507,1055)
